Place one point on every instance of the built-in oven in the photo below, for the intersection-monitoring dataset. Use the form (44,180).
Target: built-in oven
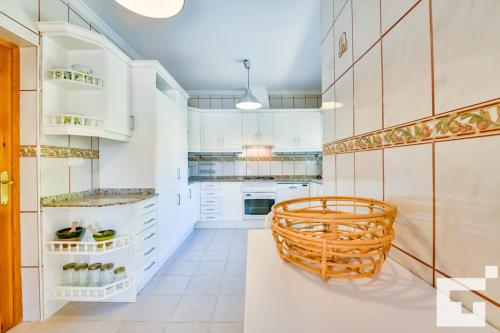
(257,201)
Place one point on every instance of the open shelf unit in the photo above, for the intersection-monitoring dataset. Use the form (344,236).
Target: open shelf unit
(90,294)
(101,95)
(89,248)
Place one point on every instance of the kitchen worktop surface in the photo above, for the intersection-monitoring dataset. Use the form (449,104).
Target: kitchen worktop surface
(98,198)
(298,179)
(283,298)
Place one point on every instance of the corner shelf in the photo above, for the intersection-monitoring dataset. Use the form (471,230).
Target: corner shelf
(90,294)
(89,248)
(69,84)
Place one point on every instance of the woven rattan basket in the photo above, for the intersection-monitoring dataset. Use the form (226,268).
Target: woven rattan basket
(334,237)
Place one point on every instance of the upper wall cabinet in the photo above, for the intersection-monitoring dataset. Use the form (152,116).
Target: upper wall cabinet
(297,131)
(221,131)
(194,130)
(258,129)
(85,84)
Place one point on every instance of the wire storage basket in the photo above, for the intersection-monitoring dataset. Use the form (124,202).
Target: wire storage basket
(334,237)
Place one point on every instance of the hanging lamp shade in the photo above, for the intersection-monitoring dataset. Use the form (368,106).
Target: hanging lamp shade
(153,8)
(248,101)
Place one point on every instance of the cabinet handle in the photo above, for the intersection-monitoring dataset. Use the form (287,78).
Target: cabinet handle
(292,187)
(131,122)
(190,194)
(209,209)
(178,173)
(149,206)
(149,251)
(211,201)
(149,267)
(149,221)
(178,199)
(150,236)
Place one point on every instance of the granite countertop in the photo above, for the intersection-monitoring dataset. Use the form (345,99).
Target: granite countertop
(301,179)
(98,198)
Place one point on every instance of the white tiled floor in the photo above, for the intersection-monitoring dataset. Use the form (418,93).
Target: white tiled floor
(201,289)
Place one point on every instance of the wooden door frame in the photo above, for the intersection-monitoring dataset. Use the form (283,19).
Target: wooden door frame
(14,264)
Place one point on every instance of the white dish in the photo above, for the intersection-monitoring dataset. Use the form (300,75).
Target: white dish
(81,68)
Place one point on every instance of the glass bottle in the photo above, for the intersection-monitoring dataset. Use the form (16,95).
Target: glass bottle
(94,273)
(81,275)
(106,275)
(68,275)
(120,274)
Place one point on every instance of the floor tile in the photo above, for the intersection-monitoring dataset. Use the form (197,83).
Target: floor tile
(233,284)
(230,308)
(167,285)
(215,255)
(211,268)
(195,308)
(188,328)
(190,255)
(226,328)
(154,308)
(235,267)
(204,285)
(141,327)
(179,267)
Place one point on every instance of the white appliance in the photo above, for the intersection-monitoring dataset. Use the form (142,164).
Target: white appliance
(258,200)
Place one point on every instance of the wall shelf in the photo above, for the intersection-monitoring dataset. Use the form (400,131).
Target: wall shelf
(89,248)
(73,85)
(90,294)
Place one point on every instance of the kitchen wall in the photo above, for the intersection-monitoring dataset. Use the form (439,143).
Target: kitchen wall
(48,164)
(254,161)
(281,101)
(416,123)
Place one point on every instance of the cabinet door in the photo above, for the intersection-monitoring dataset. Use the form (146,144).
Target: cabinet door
(251,128)
(212,128)
(181,140)
(168,229)
(309,124)
(285,132)
(194,204)
(232,139)
(117,119)
(183,206)
(231,202)
(194,130)
(292,191)
(266,129)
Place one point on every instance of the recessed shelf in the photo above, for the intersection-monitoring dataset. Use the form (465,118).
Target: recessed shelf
(89,248)
(90,294)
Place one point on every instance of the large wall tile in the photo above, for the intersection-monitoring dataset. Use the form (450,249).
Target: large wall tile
(366,25)
(326,16)
(53,10)
(407,69)
(28,184)
(369,174)
(414,266)
(345,174)
(327,60)
(80,174)
(466,49)
(95,174)
(343,31)
(368,92)
(83,142)
(288,168)
(31,294)
(329,183)
(393,11)
(328,120)
(344,109)
(28,117)
(338,7)
(467,208)
(54,176)
(408,185)
(29,239)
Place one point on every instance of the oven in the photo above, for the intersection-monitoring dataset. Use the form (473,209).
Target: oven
(257,201)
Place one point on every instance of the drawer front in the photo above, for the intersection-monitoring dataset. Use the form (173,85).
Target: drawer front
(210,217)
(210,186)
(149,249)
(145,207)
(212,202)
(146,270)
(210,210)
(145,222)
(205,194)
(146,236)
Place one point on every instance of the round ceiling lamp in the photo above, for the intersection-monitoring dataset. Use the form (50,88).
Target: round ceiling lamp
(153,8)
(248,101)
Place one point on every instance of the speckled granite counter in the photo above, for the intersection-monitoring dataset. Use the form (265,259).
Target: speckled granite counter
(301,179)
(98,198)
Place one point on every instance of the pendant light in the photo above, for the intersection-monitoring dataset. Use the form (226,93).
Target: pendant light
(153,8)
(248,101)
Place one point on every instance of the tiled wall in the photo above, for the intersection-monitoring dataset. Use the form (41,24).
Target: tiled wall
(417,123)
(275,101)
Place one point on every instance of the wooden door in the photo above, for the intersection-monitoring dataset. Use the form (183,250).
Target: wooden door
(10,258)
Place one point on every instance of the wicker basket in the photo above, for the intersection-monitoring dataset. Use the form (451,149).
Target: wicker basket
(335,237)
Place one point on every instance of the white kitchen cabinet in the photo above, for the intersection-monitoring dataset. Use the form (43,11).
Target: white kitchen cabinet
(221,132)
(258,128)
(289,191)
(297,131)
(231,201)
(315,190)
(194,130)
(193,204)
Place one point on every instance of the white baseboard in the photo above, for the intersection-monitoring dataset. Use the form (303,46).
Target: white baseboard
(242,224)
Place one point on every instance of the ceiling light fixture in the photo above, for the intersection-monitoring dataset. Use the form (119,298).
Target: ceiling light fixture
(248,101)
(153,8)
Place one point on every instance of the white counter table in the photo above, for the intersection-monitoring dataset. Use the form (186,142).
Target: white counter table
(281,298)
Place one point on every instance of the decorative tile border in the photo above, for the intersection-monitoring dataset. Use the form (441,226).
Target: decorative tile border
(58,152)
(470,122)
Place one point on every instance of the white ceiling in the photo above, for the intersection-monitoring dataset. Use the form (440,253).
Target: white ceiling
(202,46)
